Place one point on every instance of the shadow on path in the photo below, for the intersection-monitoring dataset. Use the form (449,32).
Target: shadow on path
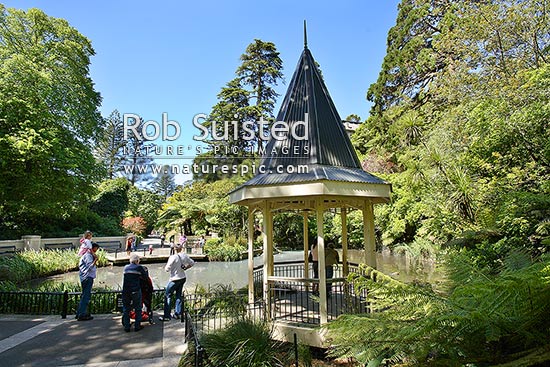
(49,341)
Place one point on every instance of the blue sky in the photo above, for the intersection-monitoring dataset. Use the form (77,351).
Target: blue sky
(174,56)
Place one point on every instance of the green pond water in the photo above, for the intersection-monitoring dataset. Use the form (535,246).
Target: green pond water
(235,273)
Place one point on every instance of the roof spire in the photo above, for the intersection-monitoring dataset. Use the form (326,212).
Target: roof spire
(305,34)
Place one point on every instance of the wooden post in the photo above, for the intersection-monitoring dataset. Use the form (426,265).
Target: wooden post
(268,255)
(270,243)
(250,255)
(368,234)
(345,267)
(322,273)
(306,245)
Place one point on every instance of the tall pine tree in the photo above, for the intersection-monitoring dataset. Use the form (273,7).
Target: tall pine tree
(247,98)
(110,144)
(164,184)
(136,160)
(260,72)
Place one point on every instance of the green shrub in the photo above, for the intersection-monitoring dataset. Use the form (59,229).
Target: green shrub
(80,221)
(212,242)
(244,343)
(230,248)
(112,200)
(488,248)
(225,253)
(8,286)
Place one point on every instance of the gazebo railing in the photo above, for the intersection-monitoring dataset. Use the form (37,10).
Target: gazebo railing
(294,297)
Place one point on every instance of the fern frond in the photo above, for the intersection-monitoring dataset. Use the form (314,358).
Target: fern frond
(478,312)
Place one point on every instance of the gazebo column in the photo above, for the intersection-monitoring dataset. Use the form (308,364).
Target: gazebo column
(344,217)
(368,234)
(306,245)
(268,255)
(250,255)
(322,273)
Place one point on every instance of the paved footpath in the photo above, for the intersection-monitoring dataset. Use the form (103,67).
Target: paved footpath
(51,341)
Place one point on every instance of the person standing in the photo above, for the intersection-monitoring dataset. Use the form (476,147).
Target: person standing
(176,266)
(202,242)
(162,239)
(129,244)
(183,241)
(87,270)
(131,292)
(331,258)
(134,243)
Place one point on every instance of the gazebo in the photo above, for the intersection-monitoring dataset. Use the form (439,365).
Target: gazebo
(310,169)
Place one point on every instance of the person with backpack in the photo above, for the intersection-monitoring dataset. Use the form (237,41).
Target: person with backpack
(176,266)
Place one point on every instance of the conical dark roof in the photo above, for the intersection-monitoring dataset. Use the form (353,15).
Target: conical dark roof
(327,151)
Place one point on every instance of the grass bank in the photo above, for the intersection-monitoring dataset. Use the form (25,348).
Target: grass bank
(28,265)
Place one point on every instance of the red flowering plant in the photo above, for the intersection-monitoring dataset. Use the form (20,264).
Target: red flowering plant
(135,225)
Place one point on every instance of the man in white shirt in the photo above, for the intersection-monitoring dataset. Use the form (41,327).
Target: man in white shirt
(176,266)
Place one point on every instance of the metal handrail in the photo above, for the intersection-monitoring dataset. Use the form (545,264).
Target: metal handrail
(61,303)
(191,335)
(290,262)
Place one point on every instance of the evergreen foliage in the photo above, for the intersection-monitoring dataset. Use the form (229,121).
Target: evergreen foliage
(460,127)
(204,208)
(477,317)
(164,184)
(145,204)
(49,119)
(137,156)
(261,70)
(250,97)
(112,200)
(230,248)
(109,148)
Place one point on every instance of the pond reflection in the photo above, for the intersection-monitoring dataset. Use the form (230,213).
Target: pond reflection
(235,273)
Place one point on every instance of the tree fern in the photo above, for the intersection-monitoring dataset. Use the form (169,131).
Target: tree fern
(475,317)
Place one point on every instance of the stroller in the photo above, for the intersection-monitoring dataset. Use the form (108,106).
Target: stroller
(146,299)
